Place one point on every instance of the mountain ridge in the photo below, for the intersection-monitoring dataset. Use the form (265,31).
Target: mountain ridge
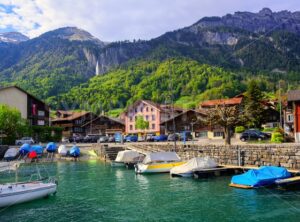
(243,42)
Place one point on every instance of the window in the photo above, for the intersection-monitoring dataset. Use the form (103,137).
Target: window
(147,109)
(290,118)
(78,121)
(135,110)
(130,119)
(78,130)
(131,128)
(41,113)
(152,109)
(147,117)
(153,126)
(41,122)
(202,134)
(142,109)
(218,134)
(153,117)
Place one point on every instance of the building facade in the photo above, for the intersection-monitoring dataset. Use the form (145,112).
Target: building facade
(72,122)
(105,125)
(294,107)
(152,112)
(30,107)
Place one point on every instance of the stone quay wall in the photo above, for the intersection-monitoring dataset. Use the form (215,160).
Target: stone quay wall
(285,155)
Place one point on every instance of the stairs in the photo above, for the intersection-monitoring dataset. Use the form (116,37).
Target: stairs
(110,153)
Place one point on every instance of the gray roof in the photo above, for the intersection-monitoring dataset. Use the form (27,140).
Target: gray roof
(294,95)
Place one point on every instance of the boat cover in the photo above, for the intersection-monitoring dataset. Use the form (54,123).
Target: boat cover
(75,151)
(127,156)
(51,147)
(161,156)
(38,149)
(193,165)
(11,153)
(62,149)
(24,149)
(261,177)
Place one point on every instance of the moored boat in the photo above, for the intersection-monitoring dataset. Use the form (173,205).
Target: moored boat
(159,162)
(15,193)
(62,150)
(127,157)
(51,147)
(194,164)
(264,176)
(10,154)
(38,149)
(24,149)
(75,152)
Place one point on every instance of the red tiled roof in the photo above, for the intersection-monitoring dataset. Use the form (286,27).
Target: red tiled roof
(231,101)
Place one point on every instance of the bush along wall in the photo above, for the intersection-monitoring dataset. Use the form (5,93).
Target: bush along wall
(46,133)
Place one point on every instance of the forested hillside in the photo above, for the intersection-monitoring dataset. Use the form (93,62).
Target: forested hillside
(213,58)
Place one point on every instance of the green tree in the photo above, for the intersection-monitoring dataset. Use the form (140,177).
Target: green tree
(12,125)
(225,116)
(253,106)
(141,124)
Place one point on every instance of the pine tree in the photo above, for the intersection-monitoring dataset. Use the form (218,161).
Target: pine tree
(253,105)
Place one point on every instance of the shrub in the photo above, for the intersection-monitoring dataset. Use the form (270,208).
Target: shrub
(277,137)
(239,129)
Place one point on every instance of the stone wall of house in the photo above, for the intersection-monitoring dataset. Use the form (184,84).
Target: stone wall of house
(286,155)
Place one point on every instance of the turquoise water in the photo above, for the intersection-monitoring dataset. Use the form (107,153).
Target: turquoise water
(93,191)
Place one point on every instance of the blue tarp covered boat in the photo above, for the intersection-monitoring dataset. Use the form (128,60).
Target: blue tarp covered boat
(75,151)
(263,176)
(38,149)
(24,149)
(51,147)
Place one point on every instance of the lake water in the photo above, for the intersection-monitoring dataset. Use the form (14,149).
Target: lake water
(94,191)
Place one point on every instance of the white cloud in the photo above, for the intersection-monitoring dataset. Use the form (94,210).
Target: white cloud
(112,20)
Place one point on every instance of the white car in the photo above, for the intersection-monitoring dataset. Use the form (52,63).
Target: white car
(23,140)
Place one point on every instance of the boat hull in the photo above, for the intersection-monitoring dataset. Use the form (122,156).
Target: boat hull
(156,167)
(24,192)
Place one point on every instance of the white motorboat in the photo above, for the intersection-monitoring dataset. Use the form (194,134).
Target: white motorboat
(15,193)
(159,162)
(10,154)
(62,150)
(194,164)
(127,157)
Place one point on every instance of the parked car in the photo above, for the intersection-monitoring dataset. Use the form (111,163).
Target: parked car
(76,139)
(141,139)
(252,135)
(160,138)
(118,137)
(173,137)
(91,138)
(23,140)
(186,135)
(150,137)
(131,138)
(103,139)
(267,135)
(111,139)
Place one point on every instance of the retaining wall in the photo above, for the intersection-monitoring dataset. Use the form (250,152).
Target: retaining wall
(286,155)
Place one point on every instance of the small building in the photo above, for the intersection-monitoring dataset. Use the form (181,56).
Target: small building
(294,107)
(30,107)
(189,120)
(105,125)
(72,122)
(152,112)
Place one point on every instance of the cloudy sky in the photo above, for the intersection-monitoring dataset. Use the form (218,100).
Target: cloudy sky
(112,20)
